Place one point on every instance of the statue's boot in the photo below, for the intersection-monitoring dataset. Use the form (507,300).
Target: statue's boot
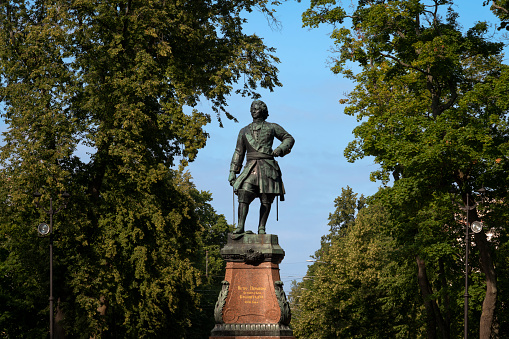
(238,230)
(243,209)
(264,215)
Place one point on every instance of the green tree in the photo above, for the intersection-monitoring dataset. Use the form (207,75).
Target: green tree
(346,206)
(432,239)
(210,264)
(361,287)
(119,78)
(501,9)
(432,102)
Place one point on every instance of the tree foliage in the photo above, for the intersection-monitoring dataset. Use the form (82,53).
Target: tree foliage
(501,9)
(210,264)
(122,78)
(431,99)
(360,286)
(345,206)
(369,279)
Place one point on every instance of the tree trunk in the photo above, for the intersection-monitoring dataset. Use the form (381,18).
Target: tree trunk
(434,317)
(59,318)
(490,299)
(487,321)
(446,302)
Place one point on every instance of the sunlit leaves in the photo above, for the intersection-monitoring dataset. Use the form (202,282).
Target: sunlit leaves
(124,79)
(431,100)
(360,287)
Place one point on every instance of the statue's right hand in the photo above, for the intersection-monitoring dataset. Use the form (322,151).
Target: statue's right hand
(277,152)
(231,178)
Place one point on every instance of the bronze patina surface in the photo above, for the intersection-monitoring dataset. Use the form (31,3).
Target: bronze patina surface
(261,176)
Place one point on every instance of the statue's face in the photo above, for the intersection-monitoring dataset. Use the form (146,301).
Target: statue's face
(258,112)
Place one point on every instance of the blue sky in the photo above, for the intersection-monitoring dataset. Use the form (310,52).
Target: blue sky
(307,107)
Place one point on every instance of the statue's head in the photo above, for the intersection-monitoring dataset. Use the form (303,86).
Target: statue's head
(259,107)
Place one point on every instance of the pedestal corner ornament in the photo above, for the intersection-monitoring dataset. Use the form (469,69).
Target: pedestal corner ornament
(221,300)
(252,303)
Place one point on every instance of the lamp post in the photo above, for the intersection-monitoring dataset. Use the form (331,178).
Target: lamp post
(47,230)
(476,228)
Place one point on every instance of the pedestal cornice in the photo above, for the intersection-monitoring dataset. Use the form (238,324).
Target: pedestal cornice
(253,248)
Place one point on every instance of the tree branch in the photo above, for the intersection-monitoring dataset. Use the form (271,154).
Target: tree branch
(404,63)
(494,4)
(452,99)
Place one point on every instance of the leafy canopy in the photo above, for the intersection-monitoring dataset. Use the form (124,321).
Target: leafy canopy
(123,78)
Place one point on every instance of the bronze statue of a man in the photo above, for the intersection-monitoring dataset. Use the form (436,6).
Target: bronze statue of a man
(261,176)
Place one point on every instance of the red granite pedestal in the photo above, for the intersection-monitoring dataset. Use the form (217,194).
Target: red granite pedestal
(252,303)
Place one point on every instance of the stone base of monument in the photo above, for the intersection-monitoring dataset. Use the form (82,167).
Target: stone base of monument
(252,303)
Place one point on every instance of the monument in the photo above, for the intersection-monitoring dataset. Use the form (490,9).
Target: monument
(261,176)
(252,303)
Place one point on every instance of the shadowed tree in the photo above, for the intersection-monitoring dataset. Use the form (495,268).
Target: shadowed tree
(122,78)
(431,100)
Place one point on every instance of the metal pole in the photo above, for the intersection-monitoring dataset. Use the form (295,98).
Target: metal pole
(50,212)
(467,247)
